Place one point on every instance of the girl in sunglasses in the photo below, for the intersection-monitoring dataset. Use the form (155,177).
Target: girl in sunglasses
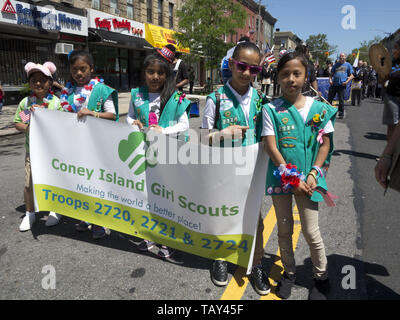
(238,122)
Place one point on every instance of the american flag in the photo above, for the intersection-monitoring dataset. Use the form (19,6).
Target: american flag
(25,115)
(270,59)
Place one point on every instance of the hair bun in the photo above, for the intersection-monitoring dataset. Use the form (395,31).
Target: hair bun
(51,66)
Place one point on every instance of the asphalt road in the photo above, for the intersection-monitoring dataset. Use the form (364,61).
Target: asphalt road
(360,236)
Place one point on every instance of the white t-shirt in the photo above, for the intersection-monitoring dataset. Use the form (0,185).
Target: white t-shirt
(154,105)
(268,127)
(108,104)
(209,109)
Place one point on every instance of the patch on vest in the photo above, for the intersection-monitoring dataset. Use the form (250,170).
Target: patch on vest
(226,105)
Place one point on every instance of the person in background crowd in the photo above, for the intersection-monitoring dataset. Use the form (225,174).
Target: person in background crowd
(328,68)
(372,82)
(274,77)
(266,76)
(365,80)
(192,77)
(341,75)
(179,67)
(311,80)
(356,85)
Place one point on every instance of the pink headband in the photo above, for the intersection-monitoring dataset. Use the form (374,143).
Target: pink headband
(48,68)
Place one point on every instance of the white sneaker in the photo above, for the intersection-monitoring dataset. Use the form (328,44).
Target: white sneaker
(52,219)
(27,221)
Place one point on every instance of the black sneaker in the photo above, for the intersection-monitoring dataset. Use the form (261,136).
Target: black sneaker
(320,290)
(285,285)
(259,280)
(219,273)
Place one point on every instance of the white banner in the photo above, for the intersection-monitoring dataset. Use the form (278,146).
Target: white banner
(188,196)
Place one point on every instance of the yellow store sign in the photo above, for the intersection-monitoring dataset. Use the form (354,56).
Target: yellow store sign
(159,37)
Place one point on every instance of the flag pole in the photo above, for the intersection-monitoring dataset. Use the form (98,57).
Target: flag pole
(326,101)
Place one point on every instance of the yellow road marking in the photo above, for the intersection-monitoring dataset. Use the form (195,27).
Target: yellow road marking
(277,268)
(237,286)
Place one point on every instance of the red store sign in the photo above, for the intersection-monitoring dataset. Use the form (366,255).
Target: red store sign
(113,23)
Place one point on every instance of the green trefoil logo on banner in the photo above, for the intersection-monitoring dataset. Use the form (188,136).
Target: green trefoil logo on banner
(142,157)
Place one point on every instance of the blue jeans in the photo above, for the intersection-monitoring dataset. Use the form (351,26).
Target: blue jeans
(340,90)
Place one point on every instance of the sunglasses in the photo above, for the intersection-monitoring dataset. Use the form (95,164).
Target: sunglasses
(242,67)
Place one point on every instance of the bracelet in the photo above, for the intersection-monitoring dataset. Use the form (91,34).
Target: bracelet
(313,174)
(96,114)
(321,174)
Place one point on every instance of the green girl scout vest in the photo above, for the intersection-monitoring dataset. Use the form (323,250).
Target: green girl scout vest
(98,96)
(232,114)
(171,114)
(297,141)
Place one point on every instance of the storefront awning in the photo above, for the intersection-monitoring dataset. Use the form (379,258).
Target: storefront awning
(159,37)
(113,38)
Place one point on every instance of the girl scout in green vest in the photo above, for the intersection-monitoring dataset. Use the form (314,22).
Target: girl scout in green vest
(298,131)
(237,124)
(158,106)
(40,79)
(88,96)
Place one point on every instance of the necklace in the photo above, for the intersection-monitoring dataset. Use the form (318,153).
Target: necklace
(46,101)
(80,101)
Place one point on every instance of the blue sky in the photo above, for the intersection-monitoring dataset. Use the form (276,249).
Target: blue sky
(307,17)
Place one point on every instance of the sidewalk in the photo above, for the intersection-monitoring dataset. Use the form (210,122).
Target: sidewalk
(8,112)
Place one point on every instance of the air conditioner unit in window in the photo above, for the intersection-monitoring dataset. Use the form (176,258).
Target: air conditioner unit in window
(64,48)
(71,2)
(114,11)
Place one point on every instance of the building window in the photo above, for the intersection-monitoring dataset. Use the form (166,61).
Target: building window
(96,4)
(129,9)
(171,15)
(160,12)
(149,11)
(113,4)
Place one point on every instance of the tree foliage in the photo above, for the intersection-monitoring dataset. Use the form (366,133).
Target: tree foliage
(364,50)
(320,48)
(203,25)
